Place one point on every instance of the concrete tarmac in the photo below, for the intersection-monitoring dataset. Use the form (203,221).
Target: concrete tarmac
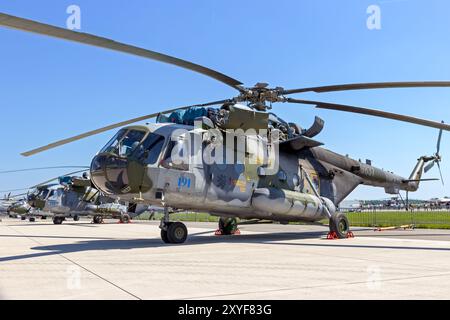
(115,261)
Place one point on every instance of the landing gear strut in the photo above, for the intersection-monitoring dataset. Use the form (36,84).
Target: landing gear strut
(172,232)
(339,227)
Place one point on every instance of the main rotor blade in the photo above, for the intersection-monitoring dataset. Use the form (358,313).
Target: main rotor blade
(4,191)
(420,180)
(17,195)
(43,183)
(89,39)
(111,127)
(372,112)
(56,178)
(44,168)
(366,86)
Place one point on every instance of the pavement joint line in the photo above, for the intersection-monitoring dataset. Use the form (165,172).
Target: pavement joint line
(375,260)
(280,242)
(311,287)
(79,265)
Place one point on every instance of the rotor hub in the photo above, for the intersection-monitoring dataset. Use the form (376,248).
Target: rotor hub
(259,95)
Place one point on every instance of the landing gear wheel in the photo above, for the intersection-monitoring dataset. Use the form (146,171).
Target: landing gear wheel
(125,218)
(32,219)
(23,218)
(76,218)
(177,233)
(58,220)
(228,226)
(164,235)
(340,226)
(98,219)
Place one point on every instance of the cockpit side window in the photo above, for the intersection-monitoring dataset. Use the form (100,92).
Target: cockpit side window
(150,150)
(43,193)
(182,150)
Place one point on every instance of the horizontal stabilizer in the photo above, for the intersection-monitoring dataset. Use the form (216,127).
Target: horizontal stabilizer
(299,143)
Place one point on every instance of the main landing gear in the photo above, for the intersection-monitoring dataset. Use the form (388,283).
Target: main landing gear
(125,218)
(227,227)
(58,220)
(339,227)
(172,232)
(98,219)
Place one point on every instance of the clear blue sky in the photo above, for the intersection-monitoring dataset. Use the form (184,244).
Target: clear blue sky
(51,89)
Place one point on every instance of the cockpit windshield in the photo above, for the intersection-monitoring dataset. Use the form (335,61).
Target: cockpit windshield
(124,142)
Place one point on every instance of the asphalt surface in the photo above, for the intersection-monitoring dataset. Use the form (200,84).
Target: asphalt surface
(115,261)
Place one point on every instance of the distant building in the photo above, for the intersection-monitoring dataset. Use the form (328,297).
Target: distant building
(445,201)
(350,205)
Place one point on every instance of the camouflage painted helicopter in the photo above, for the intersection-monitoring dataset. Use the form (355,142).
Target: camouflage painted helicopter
(14,206)
(300,182)
(72,197)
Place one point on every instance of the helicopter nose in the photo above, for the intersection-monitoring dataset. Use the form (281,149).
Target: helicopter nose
(109,174)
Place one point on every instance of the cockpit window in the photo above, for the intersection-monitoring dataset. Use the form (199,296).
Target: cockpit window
(150,149)
(114,142)
(176,156)
(43,193)
(124,142)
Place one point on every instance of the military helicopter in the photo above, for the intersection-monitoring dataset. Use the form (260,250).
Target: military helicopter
(300,181)
(72,197)
(14,205)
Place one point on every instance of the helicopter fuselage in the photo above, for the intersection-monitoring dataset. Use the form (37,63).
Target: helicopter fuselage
(300,185)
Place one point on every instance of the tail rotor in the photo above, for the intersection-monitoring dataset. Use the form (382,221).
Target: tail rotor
(436,159)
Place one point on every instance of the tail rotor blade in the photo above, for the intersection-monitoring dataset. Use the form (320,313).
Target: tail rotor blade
(440,172)
(439,140)
(429,166)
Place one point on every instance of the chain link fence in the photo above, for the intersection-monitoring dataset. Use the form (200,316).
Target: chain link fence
(418,218)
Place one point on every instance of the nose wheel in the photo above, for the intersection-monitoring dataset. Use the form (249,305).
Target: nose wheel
(176,233)
(172,232)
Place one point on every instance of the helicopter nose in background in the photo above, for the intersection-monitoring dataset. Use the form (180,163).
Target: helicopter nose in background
(109,173)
